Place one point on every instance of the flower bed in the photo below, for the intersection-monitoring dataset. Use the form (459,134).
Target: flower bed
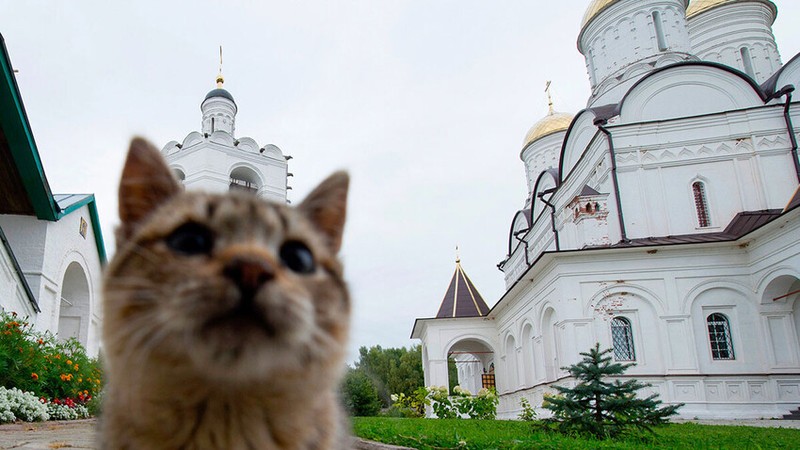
(42,377)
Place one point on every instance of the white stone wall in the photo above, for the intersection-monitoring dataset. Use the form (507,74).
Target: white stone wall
(719,34)
(666,295)
(219,114)
(14,298)
(45,250)
(541,155)
(621,42)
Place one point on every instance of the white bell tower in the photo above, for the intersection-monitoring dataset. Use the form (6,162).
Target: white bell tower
(214,160)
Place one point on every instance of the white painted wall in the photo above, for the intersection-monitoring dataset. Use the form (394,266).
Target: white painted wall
(45,250)
(206,160)
(719,34)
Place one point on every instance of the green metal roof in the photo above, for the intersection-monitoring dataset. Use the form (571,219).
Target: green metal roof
(16,131)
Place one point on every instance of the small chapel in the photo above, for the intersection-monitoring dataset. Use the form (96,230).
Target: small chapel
(51,245)
(661,221)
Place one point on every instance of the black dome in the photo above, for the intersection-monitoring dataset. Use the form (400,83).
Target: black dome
(219,92)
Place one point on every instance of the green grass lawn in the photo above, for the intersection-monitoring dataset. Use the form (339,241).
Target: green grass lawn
(500,434)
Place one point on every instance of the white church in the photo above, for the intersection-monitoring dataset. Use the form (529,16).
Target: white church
(51,246)
(663,221)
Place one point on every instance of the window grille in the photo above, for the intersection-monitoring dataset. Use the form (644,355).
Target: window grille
(719,336)
(701,204)
(487,381)
(622,338)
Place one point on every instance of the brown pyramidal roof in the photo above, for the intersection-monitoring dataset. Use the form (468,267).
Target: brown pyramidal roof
(462,299)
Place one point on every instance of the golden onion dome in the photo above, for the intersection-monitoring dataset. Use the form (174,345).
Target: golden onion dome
(698,6)
(594,9)
(552,123)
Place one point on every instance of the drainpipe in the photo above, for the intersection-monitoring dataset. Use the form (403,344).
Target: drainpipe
(552,214)
(787,91)
(599,124)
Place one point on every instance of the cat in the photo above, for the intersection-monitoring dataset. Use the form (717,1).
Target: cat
(225,317)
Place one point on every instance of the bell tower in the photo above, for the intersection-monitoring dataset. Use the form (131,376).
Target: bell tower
(214,160)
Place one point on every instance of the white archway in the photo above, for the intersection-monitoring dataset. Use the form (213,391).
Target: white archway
(75,305)
(245,179)
(475,364)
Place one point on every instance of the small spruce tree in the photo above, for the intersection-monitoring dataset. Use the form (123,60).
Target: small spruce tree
(601,408)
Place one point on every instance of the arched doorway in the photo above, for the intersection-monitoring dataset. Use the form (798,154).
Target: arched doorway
(474,365)
(73,316)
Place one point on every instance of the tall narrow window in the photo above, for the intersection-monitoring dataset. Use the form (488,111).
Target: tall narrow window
(719,336)
(659,26)
(622,338)
(701,204)
(747,62)
(212,124)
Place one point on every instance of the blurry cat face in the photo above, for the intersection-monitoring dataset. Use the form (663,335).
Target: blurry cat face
(230,285)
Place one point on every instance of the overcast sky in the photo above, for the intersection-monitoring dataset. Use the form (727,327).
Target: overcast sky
(426,103)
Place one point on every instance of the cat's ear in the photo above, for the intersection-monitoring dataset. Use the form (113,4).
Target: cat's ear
(326,206)
(146,183)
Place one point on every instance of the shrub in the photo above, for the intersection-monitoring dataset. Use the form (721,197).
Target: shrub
(441,403)
(60,411)
(460,404)
(37,362)
(527,414)
(481,406)
(411,405)
(359,394)
(18,405)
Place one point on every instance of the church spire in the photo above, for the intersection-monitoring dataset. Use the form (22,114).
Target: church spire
(220,78)
(462,298)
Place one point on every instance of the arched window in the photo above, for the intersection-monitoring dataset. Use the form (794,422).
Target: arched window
(622,338)
(747,62)
(701,204)
(244,179)
(659,26)
(719,336)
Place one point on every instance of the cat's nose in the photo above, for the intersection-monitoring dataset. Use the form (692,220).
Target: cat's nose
(249,273)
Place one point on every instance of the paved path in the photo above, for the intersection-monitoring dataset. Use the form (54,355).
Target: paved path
(73,434)
(763,423)
(80,434)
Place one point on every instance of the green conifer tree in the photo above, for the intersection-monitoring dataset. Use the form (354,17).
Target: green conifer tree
(602,408)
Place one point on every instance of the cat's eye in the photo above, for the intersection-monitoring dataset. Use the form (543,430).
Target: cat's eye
(297,257)
(191,239)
